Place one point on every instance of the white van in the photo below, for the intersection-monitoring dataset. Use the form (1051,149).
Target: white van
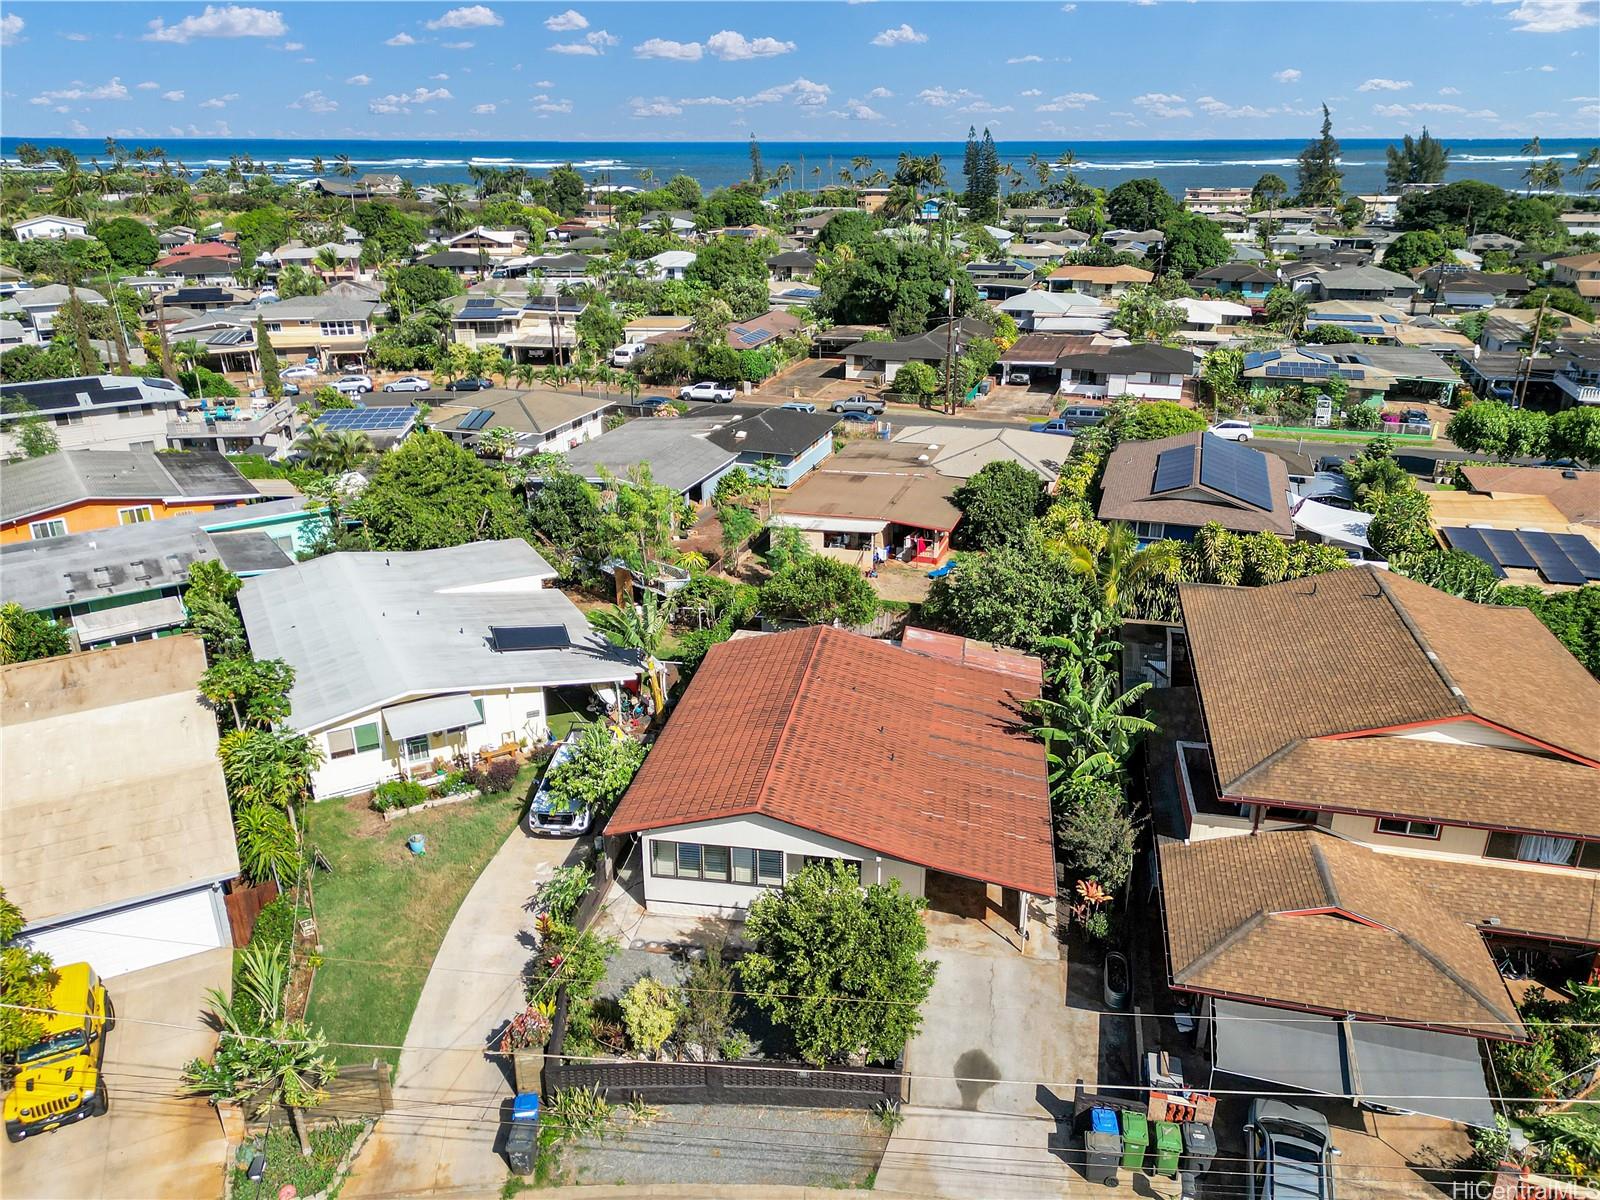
(627,354)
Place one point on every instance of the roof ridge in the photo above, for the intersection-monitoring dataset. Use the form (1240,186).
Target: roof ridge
(788,717)
(1325,873)
(1450,972)
(1214,952)
(1386,589)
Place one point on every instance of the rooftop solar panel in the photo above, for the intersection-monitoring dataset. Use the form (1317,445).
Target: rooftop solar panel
(1553,562)
(1235,470)
(1507,548)
(476,419)
(368,420)
(1582,553)
(529,637)
(1471,542)
(1174,469)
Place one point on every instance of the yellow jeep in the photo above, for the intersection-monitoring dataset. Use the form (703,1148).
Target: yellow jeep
(58,1077)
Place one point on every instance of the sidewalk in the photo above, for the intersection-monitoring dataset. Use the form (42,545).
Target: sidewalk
(444,1130)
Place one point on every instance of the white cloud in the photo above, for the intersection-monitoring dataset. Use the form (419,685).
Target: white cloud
(900,35)
(803,92)
(856,110)
(734,47)
(1436,108)
(229,21)
(1547,69)
(666,48)
(458,45)
(543,104)
(1026,58)
(594,43)
(1070,102)
(1069,8)
(11,29)
(401,39)
(439,78)
(1287,75)
(544,83)
(1395,111)
(1588,112)
(293,46)
(1553,16)
(1031,92)
(78,127)
(84,37)
(401,102)
(78,92)
(941,97)
(1384,85)
(219,101)
(879,93)
(314,102)
(473,16)
(1538,116)
(174,97)
(149,85)
(359,80)
(1449,91)
(483,108)
(1163,104)
(566,22)
(984,106)
(659,107)
(1150,98)
(1221,108)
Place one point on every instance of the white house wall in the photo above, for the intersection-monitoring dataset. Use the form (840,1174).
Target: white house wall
(106,431)
(696,896)
(519,713)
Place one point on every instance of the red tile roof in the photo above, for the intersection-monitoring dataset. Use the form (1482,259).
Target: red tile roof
(909,755)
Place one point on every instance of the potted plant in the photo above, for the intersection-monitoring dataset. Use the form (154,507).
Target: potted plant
(524,1040)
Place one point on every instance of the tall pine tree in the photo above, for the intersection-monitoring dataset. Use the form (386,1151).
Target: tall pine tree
(985,203)
(758,173)
(270,379)
(1417,160)
(969,163)
(1320,177)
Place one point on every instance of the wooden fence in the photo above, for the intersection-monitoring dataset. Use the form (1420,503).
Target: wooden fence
(356,1094)
(244,906)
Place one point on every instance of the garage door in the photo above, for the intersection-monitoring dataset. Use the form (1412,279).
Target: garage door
(143,935)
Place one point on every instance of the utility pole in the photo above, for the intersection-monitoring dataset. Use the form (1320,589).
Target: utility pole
(950,354)
(1525,368)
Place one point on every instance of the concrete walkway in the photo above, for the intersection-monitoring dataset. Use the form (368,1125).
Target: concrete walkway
(443,1133)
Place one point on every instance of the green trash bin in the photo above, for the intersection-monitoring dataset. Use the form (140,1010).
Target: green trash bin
(1135,1139)
(1169,1148)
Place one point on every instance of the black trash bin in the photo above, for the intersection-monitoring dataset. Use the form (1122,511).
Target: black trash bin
(1199,1148)
(1102,1146)
(522,1140)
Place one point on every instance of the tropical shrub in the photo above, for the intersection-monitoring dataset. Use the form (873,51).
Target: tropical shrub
(397,793)
(494,778)
(650,1010)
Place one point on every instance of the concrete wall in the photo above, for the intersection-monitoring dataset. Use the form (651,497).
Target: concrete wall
(519,713)
(697,896)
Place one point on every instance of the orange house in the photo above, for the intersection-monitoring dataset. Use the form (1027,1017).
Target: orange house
(75,491)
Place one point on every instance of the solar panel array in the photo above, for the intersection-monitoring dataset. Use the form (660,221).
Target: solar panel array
(751,337)
(1174,469)
(529,637)
(1566,558)
(228,337)
(1261,358)
(1234,469)
(367,420)
(1314,370)
(476,419)
(57,395)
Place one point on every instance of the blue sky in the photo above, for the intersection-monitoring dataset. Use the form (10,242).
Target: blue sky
(1097,69)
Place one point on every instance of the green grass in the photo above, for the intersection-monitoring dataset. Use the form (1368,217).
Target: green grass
(285,1165)
(389,909)
(1296,432)
(561,714)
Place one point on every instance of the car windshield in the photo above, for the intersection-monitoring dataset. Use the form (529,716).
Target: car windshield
(72,1039)
(1295,1152)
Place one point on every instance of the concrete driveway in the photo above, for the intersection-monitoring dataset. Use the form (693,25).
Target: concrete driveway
(153,1142)
(443,1132)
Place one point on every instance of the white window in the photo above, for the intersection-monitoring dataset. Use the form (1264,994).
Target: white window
(134,516)
(718,864)
(54,527)
(1403,828)
(338,328)
(1151,531)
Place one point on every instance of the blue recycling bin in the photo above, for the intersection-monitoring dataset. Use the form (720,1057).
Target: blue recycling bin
(522,1140)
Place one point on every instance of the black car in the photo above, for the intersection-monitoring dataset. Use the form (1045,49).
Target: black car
(469,384)
(652,403)
(1414,416)
(1330,462)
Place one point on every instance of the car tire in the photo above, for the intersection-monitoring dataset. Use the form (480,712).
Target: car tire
(100,1103)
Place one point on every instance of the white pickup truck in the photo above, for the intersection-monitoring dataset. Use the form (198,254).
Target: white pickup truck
(707,390)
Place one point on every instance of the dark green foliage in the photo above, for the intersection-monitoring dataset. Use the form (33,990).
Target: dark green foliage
(1152,419)
(564,509)
(1140,204)
(1574,618)
(270,379)
(819,591)
(397,793)
(893,283)
(130,243)
(1575,434)
(1562,299)
(732,207)
(998,505)
(1495,428)
(846,229)
(430,493)
(599,328)
(1318,168)
(839,968)
(1193,244)
(1015,595)
(1467,204)
(708,1000)
(1099,835)
(385,228)
(1330,335)
(413,287)
(58,360)
(566,189)
(26,636)
(983,187)
(1454,571)
(1418,248)
(1400,524)
(1416,160)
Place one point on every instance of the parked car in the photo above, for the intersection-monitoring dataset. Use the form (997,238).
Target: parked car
(58,1079)
(1054,425)
(799,406)
(1233,431)
(543,815)
(864,418)
(261,393)
(1079,415)
(652,403)
(471,383)
(626,355)
(1291,1152)
(1330,464)
(707,390)
(859,403)
(298,373)
(1017,379)
(353,385)
(1415,416)
(408,383)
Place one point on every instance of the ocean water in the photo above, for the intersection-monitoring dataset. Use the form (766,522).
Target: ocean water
(1177,164)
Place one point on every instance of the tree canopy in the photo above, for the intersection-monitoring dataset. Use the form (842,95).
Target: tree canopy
(1140,204)
(1417,248)
(887,282)
(1422,159)
(998,505)
(1318,166)
(1193,244)
(819,591)
(429,492)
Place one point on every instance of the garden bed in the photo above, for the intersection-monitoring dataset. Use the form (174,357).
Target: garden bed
(391,814)
(333,1149)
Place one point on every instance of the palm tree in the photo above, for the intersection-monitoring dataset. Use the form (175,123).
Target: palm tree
(1590,161)
(1113,563)
(334,453)
(647,177)
(326,260)
(524,373)
(451,206)
(186,211)
(861,163)
(1087,717)
(642,628)
(317,167)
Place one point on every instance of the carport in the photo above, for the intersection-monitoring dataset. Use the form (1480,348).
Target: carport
(1374,1065)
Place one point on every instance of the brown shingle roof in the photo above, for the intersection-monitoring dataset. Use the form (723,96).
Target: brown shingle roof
(1363,649)
(910,755)
(1577,498)
(1306,919)
(878,481)
(1103,274)
(1126,493)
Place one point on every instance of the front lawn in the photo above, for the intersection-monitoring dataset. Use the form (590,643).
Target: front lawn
(383,912)
(285,1165)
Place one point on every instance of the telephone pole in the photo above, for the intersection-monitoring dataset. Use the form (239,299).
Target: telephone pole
(1519,395)
(950,354)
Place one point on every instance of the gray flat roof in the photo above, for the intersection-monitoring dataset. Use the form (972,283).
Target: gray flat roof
(38,485)
(363,630)
(678,450)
